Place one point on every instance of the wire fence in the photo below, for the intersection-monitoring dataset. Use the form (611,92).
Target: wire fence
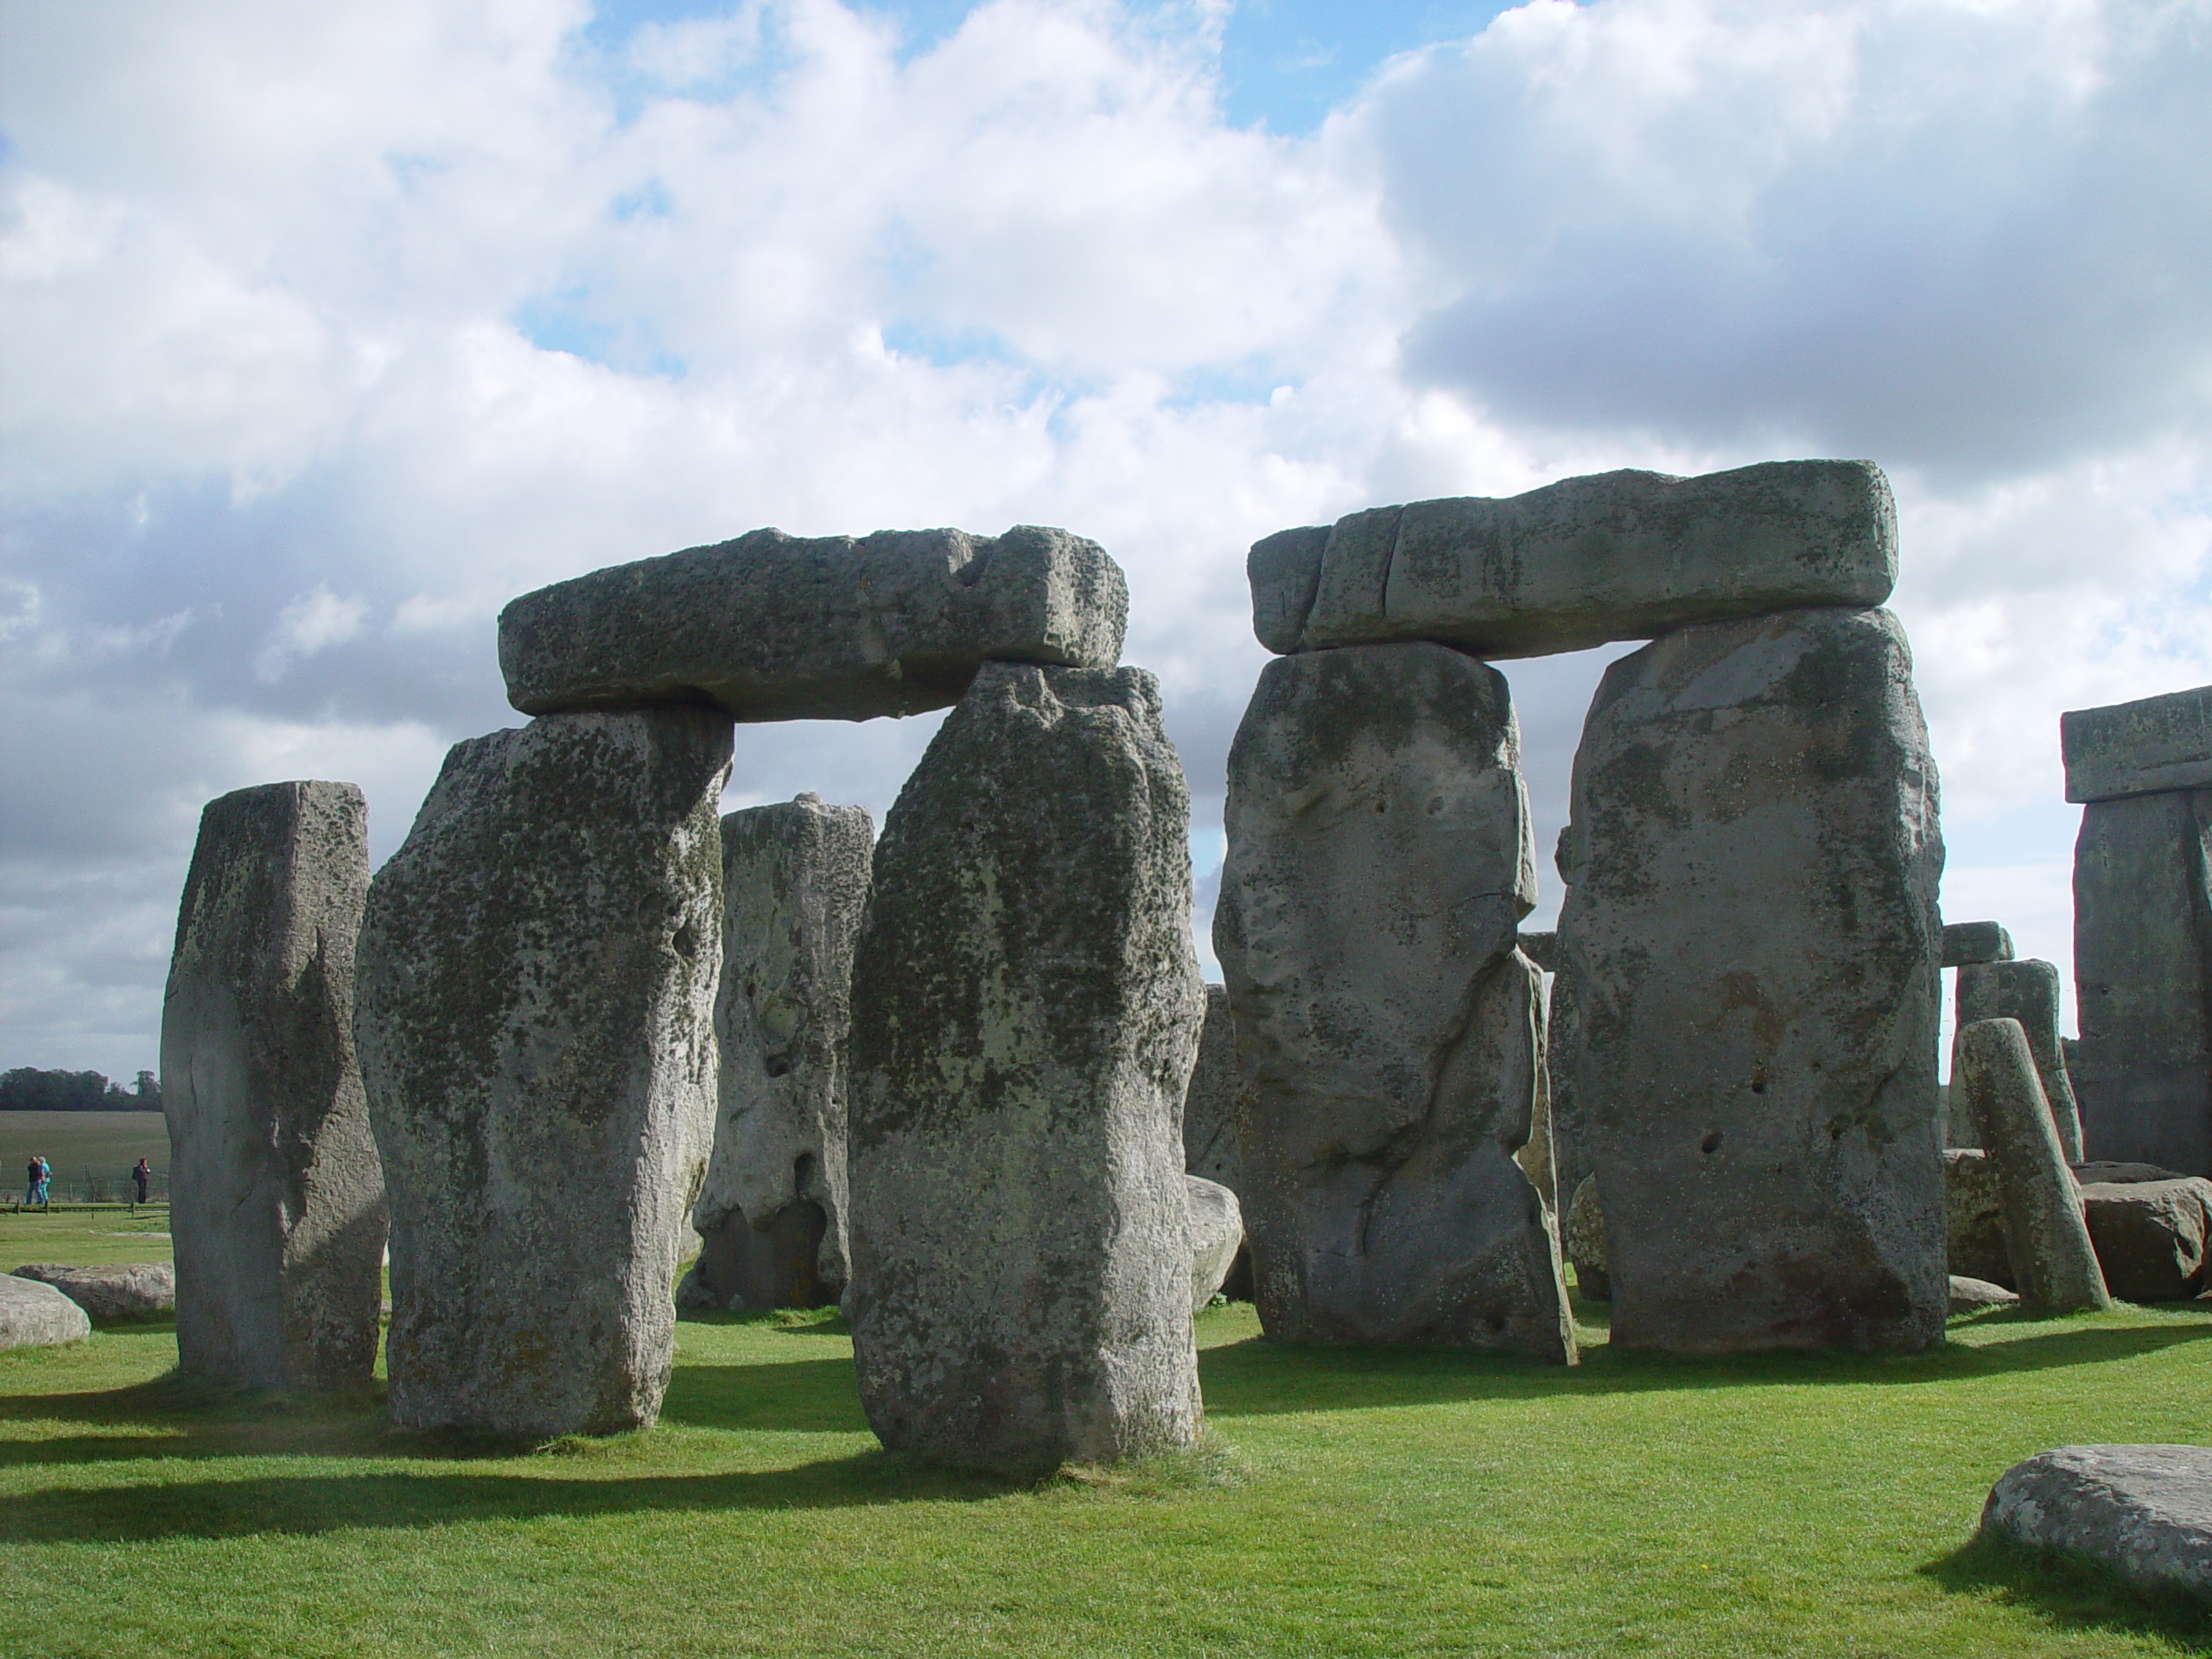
(90,1184)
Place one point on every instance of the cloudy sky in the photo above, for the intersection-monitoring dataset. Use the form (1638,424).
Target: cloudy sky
(326,329)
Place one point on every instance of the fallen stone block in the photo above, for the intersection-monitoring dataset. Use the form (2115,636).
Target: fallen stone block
(2150,1236)
(33,1315)
(2045,1236)
(2144,748)
(135,1290)
(1378,863)
(1217,1235)
(1026,1012)
(1974,1217)
(537,972)
(2028,992)
(771,626)
(1969,942)
(1974,1295)
(1615,556)
(277,1201)
(2144,1512)
(1750,923)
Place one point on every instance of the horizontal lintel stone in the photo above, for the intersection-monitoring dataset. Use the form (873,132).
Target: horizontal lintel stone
(1971,942)
(2138,748)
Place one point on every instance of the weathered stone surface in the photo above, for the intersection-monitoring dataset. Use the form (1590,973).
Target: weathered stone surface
(1378,861)
(2045,1236)
(1025,1013)
(1534,1155)
(2143,1511)
(1974,1217)
(1217,1235)
(538,974)
(1971,1295)
(2138,748)
(2150,1236)
(2143,980)
(1213,1104)
(1562,1042)
(33,1315)
(1616,556)
(2101,1171)
(1750,920)
(795,879)
(1967,942)
(771,626)
(133,1290)
(277,1204)
(2028,992)
(1586,1242)
(1541,948)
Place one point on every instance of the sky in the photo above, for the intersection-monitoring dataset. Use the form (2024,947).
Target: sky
(325,330)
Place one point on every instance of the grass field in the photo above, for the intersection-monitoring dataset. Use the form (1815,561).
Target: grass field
(111,1142)
(1392,1503)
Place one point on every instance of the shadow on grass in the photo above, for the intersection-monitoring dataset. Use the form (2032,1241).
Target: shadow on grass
(2071,1592)
(807,1397)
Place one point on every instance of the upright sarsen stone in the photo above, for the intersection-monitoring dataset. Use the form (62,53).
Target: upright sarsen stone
(538,974)
(772,1213)
(1378,862)
(1751,923)
(2046,1236)
(277,1202)
(2026,991)
(1025,1010)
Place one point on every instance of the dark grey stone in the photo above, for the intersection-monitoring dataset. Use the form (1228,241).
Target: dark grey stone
(2045,1236)
(2143,1511)
(795,879)
(1378,863)
(1213,1105)
(1541,948)
(1974,1217)
(2143,747)
(1965,942)
(771,626)
(2142,943)
(133,1290)
(2150,1236)
(1584,1238)
(1616,556)
(2028,992)
(538,974)
(33,1315)
(1025,1013)
(277,1202)
(1750,920)
(2113,1174)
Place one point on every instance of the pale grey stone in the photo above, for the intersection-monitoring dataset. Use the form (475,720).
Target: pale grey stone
(1378,863)
(538,974)
(2028,992)
(1586,1242)
(2138,748)
(33,1315)
(1750,920)
(2143,989)
(1616,556)
(277,1202)
(1217,1235)
(1026,1012)
(1965,942)
(772,1212)
(133,1290)
(1534,1156)
(2150,1235)
(771,626)
(2045,1236)
(1974,1217)
(2143,1511)
(1973,1295)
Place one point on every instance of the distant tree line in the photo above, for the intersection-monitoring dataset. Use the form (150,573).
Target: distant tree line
(27,1089)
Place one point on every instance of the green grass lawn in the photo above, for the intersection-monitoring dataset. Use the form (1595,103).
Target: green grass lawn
(109,1142)
(1391,1503)
(83,1237)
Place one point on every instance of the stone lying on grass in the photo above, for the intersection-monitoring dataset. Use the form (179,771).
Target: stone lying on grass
(771,626)
(1969,942)
(1217,1235)
(33,1315)
(1586,1242)
(1971,1295)
(1974,1216)
(2143,1511)
(136,1290)
(2150,1236)
(1614,556)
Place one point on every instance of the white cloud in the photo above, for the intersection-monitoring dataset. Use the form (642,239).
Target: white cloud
(311,623)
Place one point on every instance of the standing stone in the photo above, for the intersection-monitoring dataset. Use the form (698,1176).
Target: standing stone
(1378,864)
(2045,1236)
(1025,1013)
(1213,1107)
(1974,1217)
(537,976)
(278,1204)
(1584,1234)
(2143,979)
(772,1213)
(2028,992)
(1751,923)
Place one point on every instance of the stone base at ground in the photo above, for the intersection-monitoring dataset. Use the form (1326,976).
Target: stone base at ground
(2150,1236)
(33,1315)
(136,1290)
(742,1267)
(2143,1511)
(1971,1295)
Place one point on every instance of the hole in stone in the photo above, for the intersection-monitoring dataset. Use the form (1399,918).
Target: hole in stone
(802,1172)
(1711,1144)
(1382,806)
(686,940)
(779,1067)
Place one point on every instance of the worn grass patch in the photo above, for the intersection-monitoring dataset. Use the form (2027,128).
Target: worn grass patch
(1387,1502)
